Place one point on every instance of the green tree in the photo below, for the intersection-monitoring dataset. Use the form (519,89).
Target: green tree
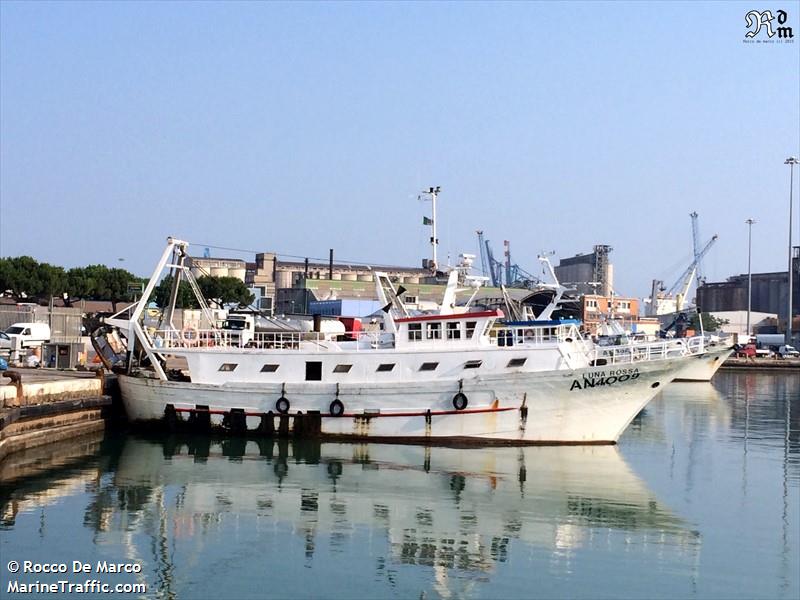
(98,282)
(23,276)
(216,291)
(26,277)
(185,298)
(710,322)
(225,290)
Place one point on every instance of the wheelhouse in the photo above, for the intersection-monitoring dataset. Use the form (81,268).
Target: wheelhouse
(468,329)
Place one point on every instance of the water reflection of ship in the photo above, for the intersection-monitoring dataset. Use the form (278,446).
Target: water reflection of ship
(701,405)
(438,507)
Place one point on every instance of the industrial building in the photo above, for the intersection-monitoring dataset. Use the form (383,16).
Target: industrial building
(217,267)
(289,286)
(625,311)
(588,273)
(769,293)
(295,287)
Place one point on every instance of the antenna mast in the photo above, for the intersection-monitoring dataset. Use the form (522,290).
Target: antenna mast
(433,192)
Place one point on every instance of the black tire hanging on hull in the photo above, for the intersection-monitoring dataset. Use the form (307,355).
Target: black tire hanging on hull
(336,408)
(282,405)
(460,401)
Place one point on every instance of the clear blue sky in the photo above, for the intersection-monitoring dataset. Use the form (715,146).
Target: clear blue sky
(300,127)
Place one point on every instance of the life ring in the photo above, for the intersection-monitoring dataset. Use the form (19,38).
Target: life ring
(336,408)
(460,401)
(282,405)
(189,335)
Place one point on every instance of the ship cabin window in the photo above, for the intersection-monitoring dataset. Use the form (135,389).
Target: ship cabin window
(269,368)
(473,364)
(414,332)
(342,368)
(385,367)
(471,329)
(228,367)
(454,331)
(410,300)
(429,366)
(516,362)
(313,371)
(434,331)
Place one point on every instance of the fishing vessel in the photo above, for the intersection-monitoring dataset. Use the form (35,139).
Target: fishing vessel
(702,368)
(448,377)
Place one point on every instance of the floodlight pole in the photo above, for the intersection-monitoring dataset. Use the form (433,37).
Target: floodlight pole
(749,272)
(791,161)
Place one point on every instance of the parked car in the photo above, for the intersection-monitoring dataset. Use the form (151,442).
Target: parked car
(29,334)
(788,352)
(5,344)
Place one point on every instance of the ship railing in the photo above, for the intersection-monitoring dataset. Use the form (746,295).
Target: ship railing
(191,337)
(647,351)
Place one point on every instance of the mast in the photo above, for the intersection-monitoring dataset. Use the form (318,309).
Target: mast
(433,192)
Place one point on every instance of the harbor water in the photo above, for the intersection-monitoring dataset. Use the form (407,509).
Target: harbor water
(700,499)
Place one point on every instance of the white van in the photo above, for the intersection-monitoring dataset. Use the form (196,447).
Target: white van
(788,352)
(29,334)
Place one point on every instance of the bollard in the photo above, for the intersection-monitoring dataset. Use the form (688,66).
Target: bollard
(16,381)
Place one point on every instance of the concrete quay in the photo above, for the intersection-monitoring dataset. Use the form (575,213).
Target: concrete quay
(781,365)
(40,406)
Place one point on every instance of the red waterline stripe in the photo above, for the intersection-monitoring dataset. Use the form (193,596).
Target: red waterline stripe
(433,413)
(436,413)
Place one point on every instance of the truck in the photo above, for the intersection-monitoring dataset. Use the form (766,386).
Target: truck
(770,339)
(242,327)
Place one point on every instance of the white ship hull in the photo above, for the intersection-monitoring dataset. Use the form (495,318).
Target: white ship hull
(581,406)
(703,367)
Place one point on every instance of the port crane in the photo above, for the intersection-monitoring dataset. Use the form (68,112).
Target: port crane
(696,246)
(665,301)
(503,273)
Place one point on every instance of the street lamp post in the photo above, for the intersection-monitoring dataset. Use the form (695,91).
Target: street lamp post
(791,161)
(749,272)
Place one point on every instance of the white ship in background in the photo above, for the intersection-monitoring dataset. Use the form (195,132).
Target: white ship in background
(451,377)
